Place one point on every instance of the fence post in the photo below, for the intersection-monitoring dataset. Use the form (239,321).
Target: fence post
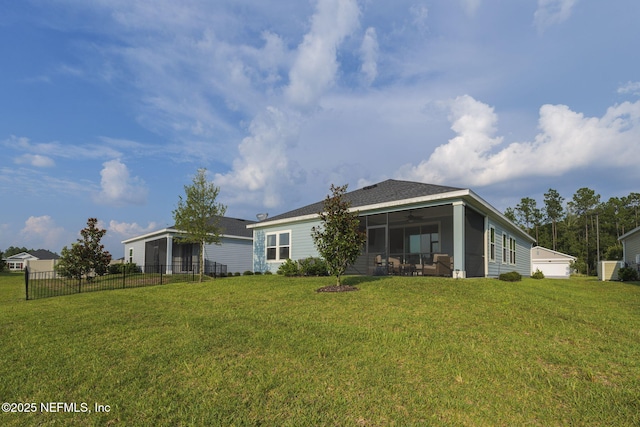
(161,268)
(26,282)
(124,275)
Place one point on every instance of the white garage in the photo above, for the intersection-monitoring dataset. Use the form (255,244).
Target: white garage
(554,265)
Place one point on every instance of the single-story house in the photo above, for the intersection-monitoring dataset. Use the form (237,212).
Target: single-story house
(412,228)
(163,249)
(631,248)
(19,261)
(554,265)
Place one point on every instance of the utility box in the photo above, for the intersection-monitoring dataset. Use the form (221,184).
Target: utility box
(608,270)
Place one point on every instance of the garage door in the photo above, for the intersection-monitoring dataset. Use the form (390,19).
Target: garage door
(550,269)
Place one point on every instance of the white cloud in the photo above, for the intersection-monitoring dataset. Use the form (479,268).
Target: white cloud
(369,54)
(263,162)
(126,229)
(118,187)
(40,154)
(36,160)
(630,87)
(567,141)
(315,67)
(42,231)
(551,12)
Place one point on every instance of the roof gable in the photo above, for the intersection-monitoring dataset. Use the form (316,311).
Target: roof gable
(538,253)
(44,254)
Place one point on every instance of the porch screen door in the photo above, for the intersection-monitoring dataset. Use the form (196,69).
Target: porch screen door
(377,247)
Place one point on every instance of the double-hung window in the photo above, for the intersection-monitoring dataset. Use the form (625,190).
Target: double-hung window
(512,250)
(505,249)
(278,246)
(492,244)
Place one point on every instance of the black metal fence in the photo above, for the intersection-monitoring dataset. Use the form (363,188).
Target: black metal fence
(50,284)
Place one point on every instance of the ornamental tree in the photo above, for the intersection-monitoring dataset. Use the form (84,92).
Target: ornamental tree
(338,239)
(87,257)
(198,214)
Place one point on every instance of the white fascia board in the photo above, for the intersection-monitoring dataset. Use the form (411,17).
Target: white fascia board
(553,252)
(283,221)
(499,214)
(634,231)
(148,235)
(366,208)
(173,231)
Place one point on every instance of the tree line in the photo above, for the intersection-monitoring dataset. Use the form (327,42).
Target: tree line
(584,226)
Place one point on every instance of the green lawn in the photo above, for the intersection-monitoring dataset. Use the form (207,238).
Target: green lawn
(270,351)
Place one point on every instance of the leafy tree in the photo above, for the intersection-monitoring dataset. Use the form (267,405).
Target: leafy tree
(553,212)
(583,204)
(87,257)
(2,263)
(198,214)
(13,250)
(339,239)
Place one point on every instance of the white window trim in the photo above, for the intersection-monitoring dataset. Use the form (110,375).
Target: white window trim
(514,251)
(505,248)
(492,244)
(277,246)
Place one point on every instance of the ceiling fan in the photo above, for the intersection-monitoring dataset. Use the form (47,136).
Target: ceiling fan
(411,217)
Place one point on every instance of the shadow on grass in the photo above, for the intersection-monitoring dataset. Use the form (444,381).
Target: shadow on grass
(357,280)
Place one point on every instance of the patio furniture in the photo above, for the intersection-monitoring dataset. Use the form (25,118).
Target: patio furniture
(441,266)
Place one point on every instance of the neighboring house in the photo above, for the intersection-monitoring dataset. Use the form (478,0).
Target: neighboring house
(19,261)
(412,228)
(162,249)
(554,265)
(631,248)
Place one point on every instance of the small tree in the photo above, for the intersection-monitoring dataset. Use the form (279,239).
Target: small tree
(339,239)
(87,256)
(198,214)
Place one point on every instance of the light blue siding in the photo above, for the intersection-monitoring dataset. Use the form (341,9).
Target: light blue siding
(523,252)
(302,245)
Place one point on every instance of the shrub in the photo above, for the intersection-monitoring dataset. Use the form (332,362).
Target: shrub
(289,268)
(268,273)
(257,273)
(248,273)
(237,273)
(313,267)
(512,276)
(626,274)
(538,274)
(128,268)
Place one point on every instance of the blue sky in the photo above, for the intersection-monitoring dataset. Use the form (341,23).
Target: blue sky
(108,107)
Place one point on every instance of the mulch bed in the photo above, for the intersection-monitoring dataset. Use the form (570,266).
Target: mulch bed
(336,288)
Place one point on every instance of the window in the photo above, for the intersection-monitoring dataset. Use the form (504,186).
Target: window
(512,250)
(505,248)
(130,255)
(278,246)
(492,244)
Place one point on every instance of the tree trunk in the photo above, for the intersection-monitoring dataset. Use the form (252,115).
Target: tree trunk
(202,261)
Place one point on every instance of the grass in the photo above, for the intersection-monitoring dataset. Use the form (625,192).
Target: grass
(268,350)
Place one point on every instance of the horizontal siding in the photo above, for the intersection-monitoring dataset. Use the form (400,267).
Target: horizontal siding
(302,245)
(523,252)
(236,254)
(138,252)
(632,248)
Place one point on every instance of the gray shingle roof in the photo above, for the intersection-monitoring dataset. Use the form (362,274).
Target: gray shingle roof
(387,191)
(234,226)
(44,254)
